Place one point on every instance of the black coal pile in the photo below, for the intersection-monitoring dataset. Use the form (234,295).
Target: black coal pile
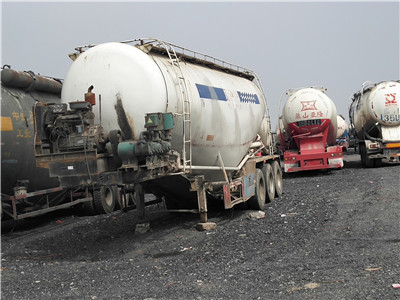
(332,235)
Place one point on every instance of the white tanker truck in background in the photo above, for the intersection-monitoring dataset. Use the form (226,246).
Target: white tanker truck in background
(163,120)
(375,119)
(307,131)
(342,134)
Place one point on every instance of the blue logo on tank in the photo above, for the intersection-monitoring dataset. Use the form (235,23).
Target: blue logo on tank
(210,92)
(248,98)
(214,93)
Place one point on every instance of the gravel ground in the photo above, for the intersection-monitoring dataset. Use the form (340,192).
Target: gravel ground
(332,235)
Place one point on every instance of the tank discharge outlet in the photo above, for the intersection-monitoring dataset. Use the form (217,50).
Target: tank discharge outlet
(156,140)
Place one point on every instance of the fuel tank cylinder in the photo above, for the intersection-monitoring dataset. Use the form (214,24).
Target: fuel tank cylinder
(225,109)
(308,112)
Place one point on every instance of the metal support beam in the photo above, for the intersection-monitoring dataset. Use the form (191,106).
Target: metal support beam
(201,197)
(140,201)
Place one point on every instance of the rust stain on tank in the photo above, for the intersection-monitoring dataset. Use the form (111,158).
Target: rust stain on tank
(125,121)
(210,138)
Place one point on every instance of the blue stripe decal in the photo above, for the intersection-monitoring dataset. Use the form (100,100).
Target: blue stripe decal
(209,92)
(248,98)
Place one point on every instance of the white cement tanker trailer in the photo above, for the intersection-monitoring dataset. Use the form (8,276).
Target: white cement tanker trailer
(342,133)
(164,118)
(375,116)
(307,131)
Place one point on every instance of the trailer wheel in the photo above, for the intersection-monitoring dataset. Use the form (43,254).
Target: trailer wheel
(366,161)
(104,199)
(277,171)
(118,200)
(88,208)
(257,202)
(377,162)
(269,178)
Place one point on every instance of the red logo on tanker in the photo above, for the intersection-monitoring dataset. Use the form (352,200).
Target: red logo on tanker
(390,99)
(308,105)
(313,114)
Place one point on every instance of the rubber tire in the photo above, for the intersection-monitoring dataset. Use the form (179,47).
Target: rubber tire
(88,208)
(119,199)
(269,178)
(277,171)
(366,161)
(362,154)
(104,199)
(377,162)
(257,202)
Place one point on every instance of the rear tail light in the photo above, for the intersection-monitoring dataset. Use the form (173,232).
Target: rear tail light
(373,146)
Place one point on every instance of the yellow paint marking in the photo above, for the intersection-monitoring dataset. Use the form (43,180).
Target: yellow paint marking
(6,124)
(20,134)
(393,145)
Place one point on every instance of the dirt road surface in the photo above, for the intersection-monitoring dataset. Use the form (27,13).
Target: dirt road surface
(332,235)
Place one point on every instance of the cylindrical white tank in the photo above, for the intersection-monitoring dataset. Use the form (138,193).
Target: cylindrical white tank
(226,110)
(376,106)
(309,111)
(342,127)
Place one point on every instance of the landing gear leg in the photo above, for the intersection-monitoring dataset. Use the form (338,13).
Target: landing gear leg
(142,226)
(140,202)
(198,185)
(201,198)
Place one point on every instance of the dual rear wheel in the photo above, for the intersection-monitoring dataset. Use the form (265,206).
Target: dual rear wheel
(366,160)
(105,200)
(268,185)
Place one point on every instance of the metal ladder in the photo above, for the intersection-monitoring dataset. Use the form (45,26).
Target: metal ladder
(186,108)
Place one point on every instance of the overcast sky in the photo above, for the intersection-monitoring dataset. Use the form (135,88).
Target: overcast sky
(337,45)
